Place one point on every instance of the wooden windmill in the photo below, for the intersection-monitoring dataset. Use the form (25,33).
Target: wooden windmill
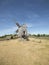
(22,31)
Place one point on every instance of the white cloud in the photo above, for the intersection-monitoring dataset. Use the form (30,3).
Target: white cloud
(8,31)
(33,15)
(29,25)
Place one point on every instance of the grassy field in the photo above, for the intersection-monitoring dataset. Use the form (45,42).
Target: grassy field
(17,52)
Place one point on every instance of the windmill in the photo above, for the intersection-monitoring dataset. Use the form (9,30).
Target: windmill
(22,31)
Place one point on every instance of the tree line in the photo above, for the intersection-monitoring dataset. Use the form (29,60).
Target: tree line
(31,35)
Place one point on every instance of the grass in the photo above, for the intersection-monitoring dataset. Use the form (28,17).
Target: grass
(16,52)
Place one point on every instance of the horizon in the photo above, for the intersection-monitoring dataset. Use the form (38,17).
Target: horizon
(34,13)
(29,35)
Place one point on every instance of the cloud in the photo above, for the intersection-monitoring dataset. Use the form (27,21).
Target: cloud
(33,15)
(8,31)
(29,25)
(36,15)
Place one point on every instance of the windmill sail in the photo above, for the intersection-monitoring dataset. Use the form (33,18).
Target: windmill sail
(18,25)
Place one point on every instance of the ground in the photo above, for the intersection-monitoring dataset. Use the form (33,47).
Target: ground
(21,52)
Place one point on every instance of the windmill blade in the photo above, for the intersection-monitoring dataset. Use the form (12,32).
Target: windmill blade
(17,31)
(18,25)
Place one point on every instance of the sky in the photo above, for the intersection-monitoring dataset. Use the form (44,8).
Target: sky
(34,13)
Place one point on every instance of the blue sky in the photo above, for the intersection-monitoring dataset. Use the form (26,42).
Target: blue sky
(34,13)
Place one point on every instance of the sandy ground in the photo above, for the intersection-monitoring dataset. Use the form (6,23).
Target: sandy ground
(21,52)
